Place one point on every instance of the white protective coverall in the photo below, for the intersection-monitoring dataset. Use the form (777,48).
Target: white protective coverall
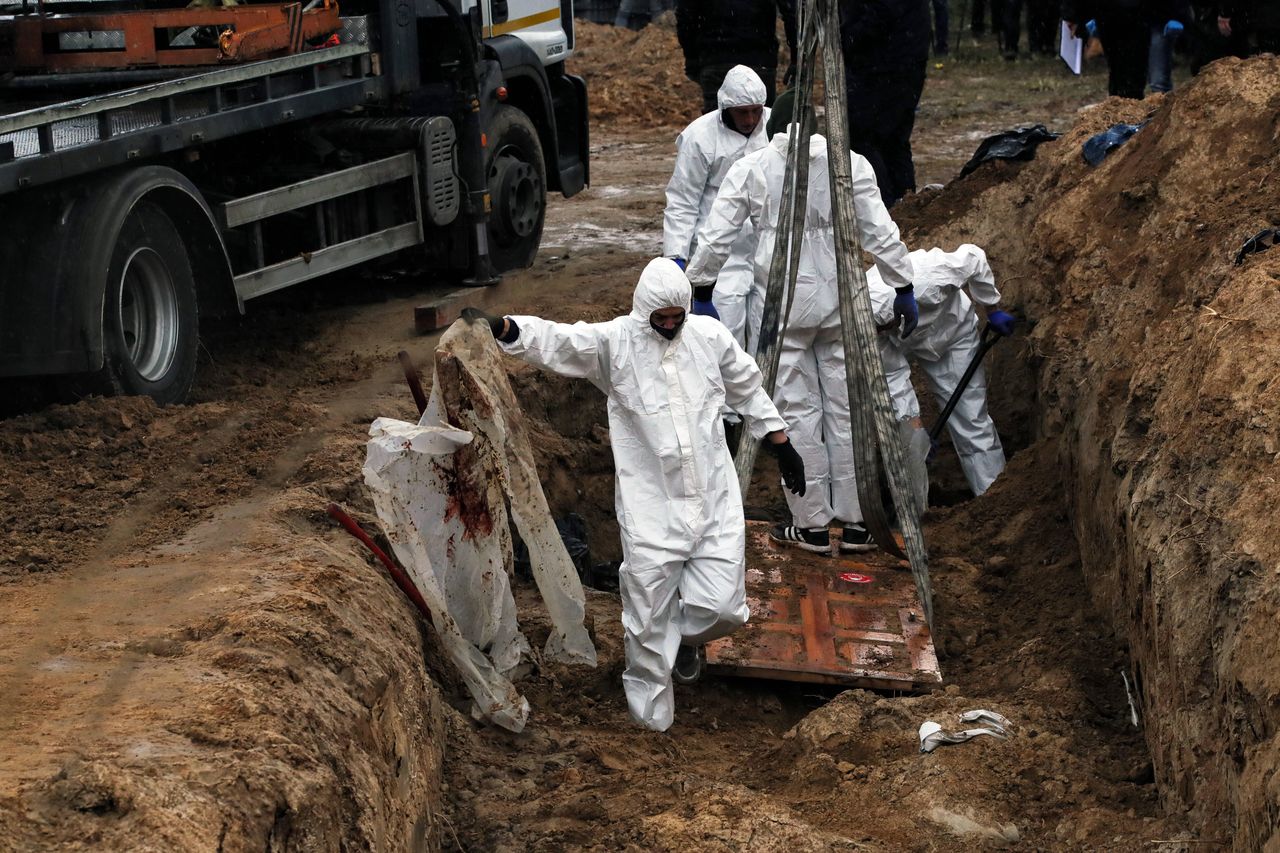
(811,392)
(704,152)
(944,343)
(683,574)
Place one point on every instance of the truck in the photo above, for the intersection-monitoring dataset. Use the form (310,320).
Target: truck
(161,166)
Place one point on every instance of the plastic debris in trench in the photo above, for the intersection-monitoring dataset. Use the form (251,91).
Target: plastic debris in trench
(573,533)
(1260,242)
(441,488)
(933,736)
(1017,144)
(1098,146)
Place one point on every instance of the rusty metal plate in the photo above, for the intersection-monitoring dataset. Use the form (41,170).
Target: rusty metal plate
(851,620)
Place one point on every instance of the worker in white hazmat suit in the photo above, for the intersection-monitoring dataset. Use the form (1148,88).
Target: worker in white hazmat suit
(944,343)
(667,374)
(811,391)
(704,152)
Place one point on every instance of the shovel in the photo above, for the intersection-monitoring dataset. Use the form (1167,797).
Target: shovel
(988,340)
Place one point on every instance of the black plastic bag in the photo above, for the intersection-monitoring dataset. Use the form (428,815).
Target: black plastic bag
(1098,146)
(1017,144)
(573,532)
(604,577)
(1260,242)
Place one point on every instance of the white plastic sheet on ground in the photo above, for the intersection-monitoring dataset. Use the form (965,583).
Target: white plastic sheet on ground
(932,735)
(441,488)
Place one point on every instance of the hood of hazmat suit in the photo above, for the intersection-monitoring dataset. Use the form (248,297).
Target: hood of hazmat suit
(742,87)
(676,495)
(704,152)
(946,311)
(944,343)
(752,192)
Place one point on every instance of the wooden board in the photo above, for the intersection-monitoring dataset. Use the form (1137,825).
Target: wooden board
(810,624)
(441,311)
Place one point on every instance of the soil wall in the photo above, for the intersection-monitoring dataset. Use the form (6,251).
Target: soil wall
(253,684)
(1152,363)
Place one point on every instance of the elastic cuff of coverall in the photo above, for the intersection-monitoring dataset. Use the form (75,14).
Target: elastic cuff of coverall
(511,334)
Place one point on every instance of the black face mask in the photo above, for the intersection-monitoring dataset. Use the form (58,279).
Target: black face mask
(729,123)
(669,334)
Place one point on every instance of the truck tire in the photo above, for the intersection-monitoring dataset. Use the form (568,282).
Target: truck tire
(517,189)
(150,313)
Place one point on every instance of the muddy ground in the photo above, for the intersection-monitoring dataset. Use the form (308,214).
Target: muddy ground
(193,657)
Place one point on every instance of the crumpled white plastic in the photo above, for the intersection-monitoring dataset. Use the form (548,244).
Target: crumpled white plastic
(471,391)
(932,735)
(408,469)
(441,494)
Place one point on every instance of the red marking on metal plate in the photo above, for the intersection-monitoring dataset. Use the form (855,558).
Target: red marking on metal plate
(854,577)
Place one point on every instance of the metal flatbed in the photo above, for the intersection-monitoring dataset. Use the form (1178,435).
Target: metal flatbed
(51,143)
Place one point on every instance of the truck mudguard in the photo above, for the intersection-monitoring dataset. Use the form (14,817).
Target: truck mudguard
(555,103)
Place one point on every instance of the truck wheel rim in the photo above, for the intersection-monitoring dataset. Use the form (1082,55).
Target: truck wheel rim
(517,192)
(149,314)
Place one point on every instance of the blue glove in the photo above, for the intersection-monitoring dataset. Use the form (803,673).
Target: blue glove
(705,308)
(904,307)
(1091,27)
(1003,322)
(1173,29)
(681,262)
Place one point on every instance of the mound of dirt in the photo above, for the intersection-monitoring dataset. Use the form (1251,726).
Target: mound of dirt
(110,471)
(182,634)
(635,77)
(1152,369)
(253,691)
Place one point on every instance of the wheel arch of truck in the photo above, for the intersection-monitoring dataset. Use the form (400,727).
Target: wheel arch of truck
(55,311)
(555,102)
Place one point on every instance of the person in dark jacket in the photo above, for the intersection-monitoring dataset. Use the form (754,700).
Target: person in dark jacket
(638,14)
(886,49)
(979,22)
(1124,27)
(716,35)
(1042,27)
(1250,26)
(941,21)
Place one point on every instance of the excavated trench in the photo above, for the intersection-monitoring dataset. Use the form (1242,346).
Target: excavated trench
(1149,380)
(1132,540)
(224,670)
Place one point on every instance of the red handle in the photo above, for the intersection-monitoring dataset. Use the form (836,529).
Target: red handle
(397,574)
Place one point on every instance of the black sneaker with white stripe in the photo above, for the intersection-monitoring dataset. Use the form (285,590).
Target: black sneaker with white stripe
(818,541)
(854,537)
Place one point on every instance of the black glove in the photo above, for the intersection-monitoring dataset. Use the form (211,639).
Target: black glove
(475,315)
(790,464)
